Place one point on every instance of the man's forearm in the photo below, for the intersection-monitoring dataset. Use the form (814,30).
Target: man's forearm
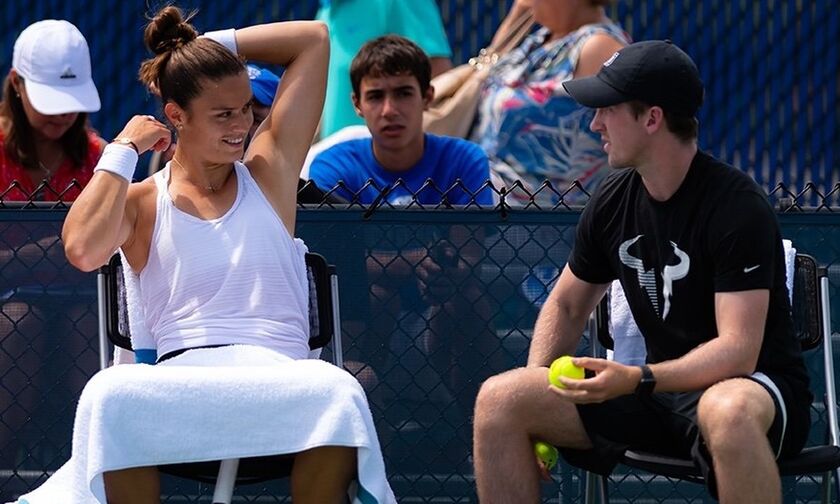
(740,317)
(563,317)
(556,332)
(700,368)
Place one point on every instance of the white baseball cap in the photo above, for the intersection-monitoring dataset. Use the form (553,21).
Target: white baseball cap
(53,58)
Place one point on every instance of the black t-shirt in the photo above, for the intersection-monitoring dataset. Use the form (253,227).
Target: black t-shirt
(717,233)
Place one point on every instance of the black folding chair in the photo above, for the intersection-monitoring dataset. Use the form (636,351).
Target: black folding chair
(811,316)
(324,322)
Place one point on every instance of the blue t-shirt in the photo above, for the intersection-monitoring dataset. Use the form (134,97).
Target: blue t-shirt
(445,160)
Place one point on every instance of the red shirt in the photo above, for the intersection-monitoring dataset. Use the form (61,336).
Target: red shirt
(61,184)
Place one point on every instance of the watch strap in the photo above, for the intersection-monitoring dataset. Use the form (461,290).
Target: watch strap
(647,383)
(127,142)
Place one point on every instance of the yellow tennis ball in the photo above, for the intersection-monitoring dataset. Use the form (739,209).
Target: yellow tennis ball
(547,453)
(563,366)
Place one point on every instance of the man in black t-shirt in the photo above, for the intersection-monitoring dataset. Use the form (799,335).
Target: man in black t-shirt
(699,254)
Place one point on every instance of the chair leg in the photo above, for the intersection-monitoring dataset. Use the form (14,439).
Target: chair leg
(605,489)
(223,492)
(833,475)
(595,489)
(825,487)
(588,483)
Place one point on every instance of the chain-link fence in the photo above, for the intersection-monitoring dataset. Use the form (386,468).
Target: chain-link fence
(770,66)
(433,301)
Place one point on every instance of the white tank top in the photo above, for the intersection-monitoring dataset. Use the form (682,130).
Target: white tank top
(237,279)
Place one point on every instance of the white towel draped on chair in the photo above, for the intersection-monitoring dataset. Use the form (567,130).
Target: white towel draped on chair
(628,343)
(252,402)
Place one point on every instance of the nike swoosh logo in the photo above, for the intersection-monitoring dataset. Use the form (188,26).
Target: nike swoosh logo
(751,268)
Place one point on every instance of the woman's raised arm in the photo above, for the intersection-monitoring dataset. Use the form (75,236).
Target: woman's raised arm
(98,221)
(279,147)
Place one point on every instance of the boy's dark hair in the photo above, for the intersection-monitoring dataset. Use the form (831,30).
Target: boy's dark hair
(390,55)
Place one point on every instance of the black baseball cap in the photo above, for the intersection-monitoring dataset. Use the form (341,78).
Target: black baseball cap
(656,72)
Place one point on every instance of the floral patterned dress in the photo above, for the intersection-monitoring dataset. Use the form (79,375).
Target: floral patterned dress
(531,130)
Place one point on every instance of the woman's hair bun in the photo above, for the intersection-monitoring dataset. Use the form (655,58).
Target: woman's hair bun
(168,30)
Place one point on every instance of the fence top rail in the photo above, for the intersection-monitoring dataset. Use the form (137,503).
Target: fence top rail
(325,215)
(785,198)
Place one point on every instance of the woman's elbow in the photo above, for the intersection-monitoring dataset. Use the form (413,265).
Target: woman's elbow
(321,32)
(320,37)
(80,256)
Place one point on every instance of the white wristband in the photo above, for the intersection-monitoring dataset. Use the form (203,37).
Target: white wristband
(225,37)
(121,160)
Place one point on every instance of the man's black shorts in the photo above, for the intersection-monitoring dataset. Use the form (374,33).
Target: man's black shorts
(665,424)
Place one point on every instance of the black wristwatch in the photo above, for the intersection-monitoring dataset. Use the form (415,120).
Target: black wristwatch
(647,383)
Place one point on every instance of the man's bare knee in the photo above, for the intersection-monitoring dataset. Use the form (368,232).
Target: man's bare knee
(732,414)
(493,396)
(519,400)
(510,397)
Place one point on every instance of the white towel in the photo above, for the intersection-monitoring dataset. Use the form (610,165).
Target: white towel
(253,402)
(790,264)
(628,342)
(141,338)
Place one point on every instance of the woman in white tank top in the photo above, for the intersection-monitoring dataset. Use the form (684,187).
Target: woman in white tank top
(211,237)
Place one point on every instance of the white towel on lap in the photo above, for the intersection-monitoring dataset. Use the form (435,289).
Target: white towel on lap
(252,402)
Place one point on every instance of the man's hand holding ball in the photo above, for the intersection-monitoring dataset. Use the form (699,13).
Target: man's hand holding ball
(564,366)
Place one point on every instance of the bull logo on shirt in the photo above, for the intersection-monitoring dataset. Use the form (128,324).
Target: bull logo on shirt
(647,278)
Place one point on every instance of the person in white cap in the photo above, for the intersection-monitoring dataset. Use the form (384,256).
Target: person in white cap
(44,128)
(47,152)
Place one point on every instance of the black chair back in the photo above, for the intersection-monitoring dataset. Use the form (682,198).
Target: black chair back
(806,302)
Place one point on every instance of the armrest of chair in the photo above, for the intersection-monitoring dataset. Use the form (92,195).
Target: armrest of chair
(602,323)
(321,323)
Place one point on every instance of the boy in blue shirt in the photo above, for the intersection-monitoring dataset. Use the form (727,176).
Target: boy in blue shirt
(407,268)
(391,89)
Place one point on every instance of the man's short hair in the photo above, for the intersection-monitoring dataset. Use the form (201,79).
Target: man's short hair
(390,55)
(685,127)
